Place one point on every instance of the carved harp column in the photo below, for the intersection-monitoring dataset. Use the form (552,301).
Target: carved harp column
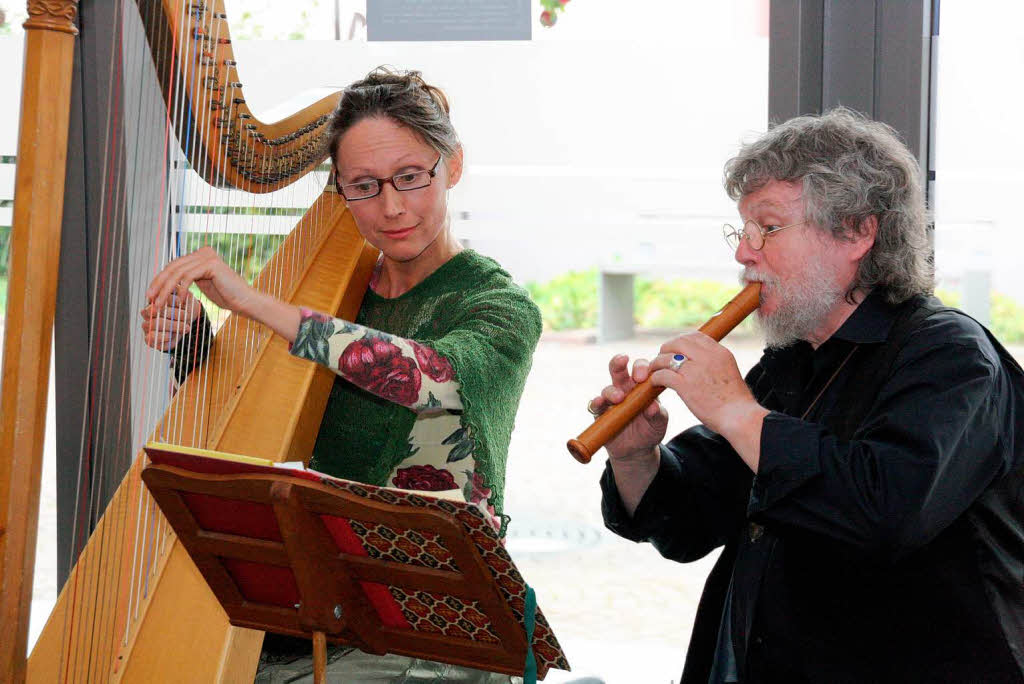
(39,186)
(134,607)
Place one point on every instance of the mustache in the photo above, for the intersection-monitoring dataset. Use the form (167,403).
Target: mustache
(749,275)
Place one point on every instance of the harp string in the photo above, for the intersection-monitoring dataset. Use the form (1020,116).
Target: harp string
(124,589)
(201,76)
(144,226)
(114,210)
(150,225)
(85,480)
(118,224)
(109,289)
(185,116)
(128,186)
(160,220)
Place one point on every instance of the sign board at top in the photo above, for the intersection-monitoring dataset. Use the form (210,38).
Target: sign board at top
(448,19)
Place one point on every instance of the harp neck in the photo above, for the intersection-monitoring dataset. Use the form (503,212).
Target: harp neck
(228,145)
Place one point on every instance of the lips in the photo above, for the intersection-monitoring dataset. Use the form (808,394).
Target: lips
(399,234)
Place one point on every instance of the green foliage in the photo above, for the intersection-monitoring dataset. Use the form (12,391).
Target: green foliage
(1006,316)
(5,260)
(568,301)
(551,8)
(1007,319)
(679,304)
(948,297)
(5,249)
(12,16)
(252,22)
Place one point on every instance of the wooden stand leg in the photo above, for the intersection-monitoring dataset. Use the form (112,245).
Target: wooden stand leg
(319,658)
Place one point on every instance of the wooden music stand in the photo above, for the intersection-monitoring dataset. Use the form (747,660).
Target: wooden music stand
(278,550)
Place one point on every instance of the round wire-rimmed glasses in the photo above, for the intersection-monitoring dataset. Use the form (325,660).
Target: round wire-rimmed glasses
(752,232)
(371,187)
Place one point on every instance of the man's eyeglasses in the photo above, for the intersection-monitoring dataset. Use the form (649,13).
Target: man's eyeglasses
(753,233)
(371,187)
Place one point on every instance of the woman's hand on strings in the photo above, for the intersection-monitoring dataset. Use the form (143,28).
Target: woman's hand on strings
(215,279)
(225,288)
(163,327)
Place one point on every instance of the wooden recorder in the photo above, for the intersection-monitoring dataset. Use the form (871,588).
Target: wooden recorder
(612,421)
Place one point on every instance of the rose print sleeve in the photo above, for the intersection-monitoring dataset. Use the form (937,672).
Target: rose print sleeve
(393,368)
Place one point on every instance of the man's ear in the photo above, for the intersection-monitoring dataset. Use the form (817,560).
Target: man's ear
(454,165)
(864,238)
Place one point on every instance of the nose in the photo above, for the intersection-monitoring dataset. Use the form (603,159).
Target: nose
(394,205)
(745,254)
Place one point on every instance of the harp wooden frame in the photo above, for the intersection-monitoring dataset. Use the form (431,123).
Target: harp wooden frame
(180,633)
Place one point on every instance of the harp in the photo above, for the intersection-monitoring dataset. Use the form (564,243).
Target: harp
(134,608)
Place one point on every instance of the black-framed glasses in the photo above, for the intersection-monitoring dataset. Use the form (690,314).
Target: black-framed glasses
(371,187)
(753,233)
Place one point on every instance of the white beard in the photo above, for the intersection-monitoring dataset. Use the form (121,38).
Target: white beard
(804,303)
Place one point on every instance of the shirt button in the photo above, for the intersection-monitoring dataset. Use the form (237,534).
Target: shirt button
(755,531)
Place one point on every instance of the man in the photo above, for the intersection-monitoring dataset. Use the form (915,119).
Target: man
(864,479)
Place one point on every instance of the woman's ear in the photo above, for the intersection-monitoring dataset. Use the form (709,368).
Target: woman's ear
(454,166)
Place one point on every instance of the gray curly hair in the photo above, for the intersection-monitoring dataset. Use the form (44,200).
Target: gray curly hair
(851,168)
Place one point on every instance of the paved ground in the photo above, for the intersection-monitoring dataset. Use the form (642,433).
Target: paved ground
(620,610)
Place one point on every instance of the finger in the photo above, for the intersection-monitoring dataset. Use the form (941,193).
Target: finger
(163,285)
(669,379)
(161,341)
(179,280)
(162,325)
(641,370)
(618,369)
(174,275)
(159,282)
(186,303)
(612,394)
(662,361)
(175,313)
(652,410)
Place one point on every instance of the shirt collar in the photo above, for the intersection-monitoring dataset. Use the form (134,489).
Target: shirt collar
(790,369)
(870,322)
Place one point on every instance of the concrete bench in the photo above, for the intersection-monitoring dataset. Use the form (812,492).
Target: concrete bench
(615,313)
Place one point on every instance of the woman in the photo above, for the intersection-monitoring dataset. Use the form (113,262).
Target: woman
(432,369)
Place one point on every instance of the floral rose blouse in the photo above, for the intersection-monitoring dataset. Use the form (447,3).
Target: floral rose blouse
(431,403)
(440,453)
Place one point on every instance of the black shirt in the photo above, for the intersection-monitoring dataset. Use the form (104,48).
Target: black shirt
(890,550)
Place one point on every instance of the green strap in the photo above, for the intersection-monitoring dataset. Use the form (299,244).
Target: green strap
(530,613)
